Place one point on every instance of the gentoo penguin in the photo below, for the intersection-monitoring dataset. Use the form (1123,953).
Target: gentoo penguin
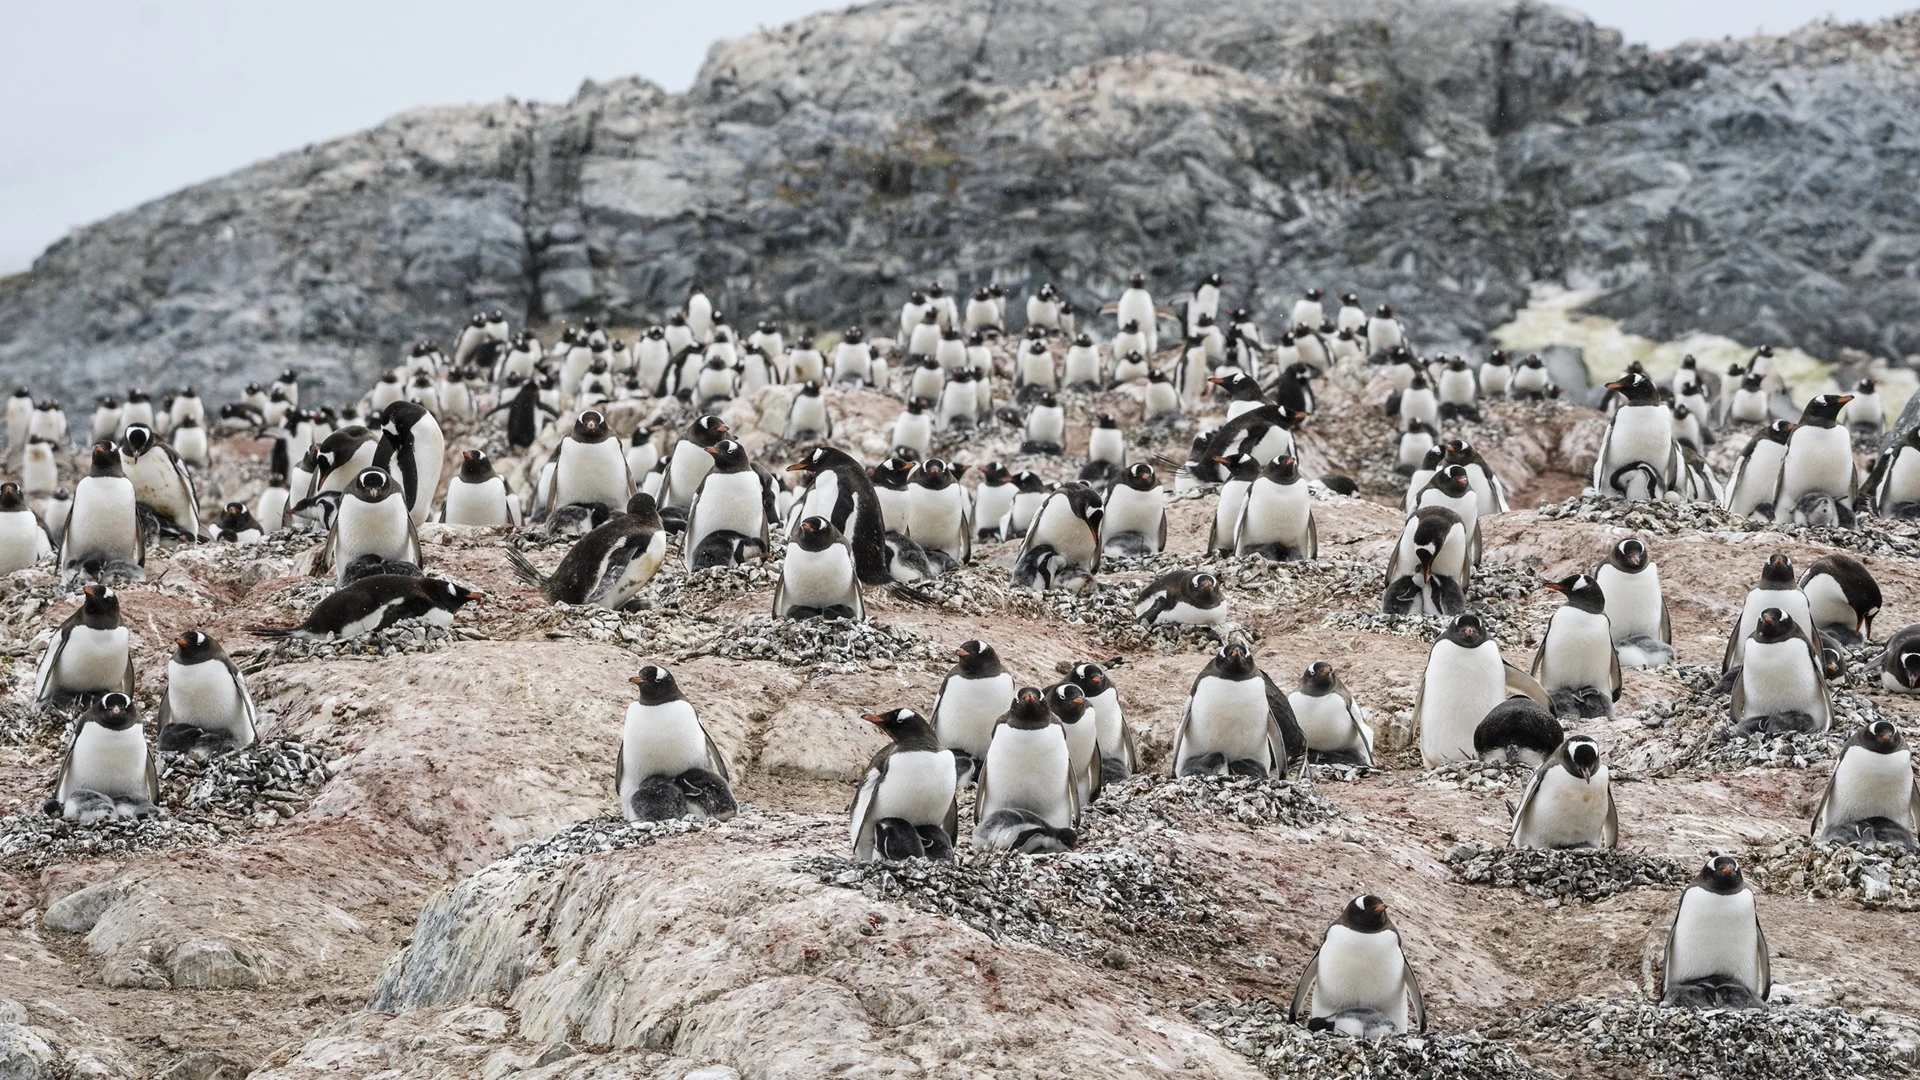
(55,510)
(1335,728)
(1352,317)
(1276,520)
(1236,722)
(590,467)
(910,781)
(103,532)
(1359,979)
(853,360)
(1716,951)
(236,525)
(1070,710)
(1895,481)
(1106,449)
(1842,598)
(1431,566)
(642,452)
(839,490)
(972,698)
(1530,382)
(1488,489)
(1520,731)
(1415,441)
(1383,330)
(807,416)
(1240,472)
(139,409)
(1043,308)
(818,579)
(991,501)
(1136,307)
(1082,366)
(688,465)
(20,419)
(1818,479)
(1135,518)
(1293,389)
(1639,459)
(1866,417)
(375,603)
(1457,390)
(1119,757)
(106,419)
(1417,402)
(1782,686)
(1265,432)
(390,390)
(957,408)
(1569,802)
(1182,598)
(1575,662)
(1748,403)
(40,466)
(160,479)
(1872,797)
(89,654)
(1636,611)
(1307,310)
(23,538)
(939,515)
(727,523)
(610,565)
(109,770)
(1464,681)
(1132,366)
(419,452)
(890,487)
(48,422)
(1029,494)
(524,409)
(479,496)
(344,455)
(1496,374)
(1900,665)
(1687,430)
(1062,546)
(983,313)
(912,436)
(189,440)
(1026,799)
(1756,474)
(1163,405)
(206,709)
(1045,429)
(372,520)
(1776,589)
(668,766)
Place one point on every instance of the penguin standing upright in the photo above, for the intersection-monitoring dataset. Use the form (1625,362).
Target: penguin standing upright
(1383,330)
(1636,610)
(106,419)
(610,565)
(1336,729)
(1872,796)
(687,465)
(90,653)
(1359,980)
(1756,475)
(939,516)
(971,700)
(419,454)
(1030,492)
(1842,598)
(103,533)
(1135,519)
(991,501)
(1782,685)
(1575,662)
(23,538)
(1241,469)
(1818,479)
(853,360)
(910,781)
(807,415)
(1465,680)
(1070,710)
(1777,589)
(1106,449)
(668,766)
(523,408)
(372,523)
(727,523)
(1236,722)
(1136,307)
(1639,458)
(1716,952)
(1163,404)
(1062,546)
(589,468)
(1276,520)
(206,709)
(109,770)
(1119,757)
(1495,375)
(1026,794)
(478,495)
(913,430)
(1568,802)
(1415,441)
(48,422)
(818,578)
(839,490)
(160,479)
(1431,566)
(1045,431)
(19,418)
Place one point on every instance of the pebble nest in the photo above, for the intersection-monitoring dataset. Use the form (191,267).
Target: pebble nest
(1875,876)
(611,832)
(1696,734)
(1258,1030)
(1782,1042)
(21,723)
(271,780)
(1473,774)
(1872,536)
(835,645)
(392,641)
(1094,905)
(1199,801)
(1559,876)
(31,840)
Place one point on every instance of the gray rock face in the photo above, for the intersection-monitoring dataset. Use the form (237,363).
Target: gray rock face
(1438,156)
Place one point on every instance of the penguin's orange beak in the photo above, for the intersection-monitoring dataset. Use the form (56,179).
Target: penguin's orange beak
(1845,398)
(636,680)
(471,595)
(874,719)
(1553,586)
(1616,385)
(714,450)
(797,466)
(1216,382)
(181,641)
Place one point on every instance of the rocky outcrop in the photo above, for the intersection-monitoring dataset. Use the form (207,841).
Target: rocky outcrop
(1440,156)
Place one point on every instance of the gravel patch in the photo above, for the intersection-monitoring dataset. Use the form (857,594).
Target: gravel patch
(1872,536)
(393,641)
(1477,775)
(1560,876)
(1258,1030)
(611,832)
(1201,801)
(22,724)
(31,840)
(269,781)
(1694,735)
(836,645)
(1783,1042)
(1875,876)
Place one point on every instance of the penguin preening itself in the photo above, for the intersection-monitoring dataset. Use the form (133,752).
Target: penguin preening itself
(1842,598)
(103,534)
(1182,598)
(1431,567)
(1026,797)
(910,784)
(1465,680)
(90,654)
(478,496)
(1062,546)
(1134,517)
(610,565)
(1872,796)
(1575,662)
(818,579)
(206,709)
(1636,610)
(840,490)
(1359,979)
(1336,730)
(23,536)
(373,520)
(1716,951)
(109,770)
(1568,802)
(1236,721)
(375,603)
(668,766)
(1782,685)
(971,700)
(1900,666)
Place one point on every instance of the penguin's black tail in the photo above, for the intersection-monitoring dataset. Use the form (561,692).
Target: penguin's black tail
(525,570)
(272,631)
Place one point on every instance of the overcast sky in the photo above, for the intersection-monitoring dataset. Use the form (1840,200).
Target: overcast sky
(110,104)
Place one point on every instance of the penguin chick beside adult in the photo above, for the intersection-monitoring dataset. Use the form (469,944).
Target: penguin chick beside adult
(1431,567)
(939,515)
(1782,686)
(971,700)
(109,770)
(1636,610)
(1134,521)
(103,534)
(1276,520)
(818,579)
(1842,598)
(478,496)
(1062,546)
(1575,662)
(609,566)
(1026,799)
(236,525)
(23,537)
(1236,722)
(1182,598)
(1336,729)
(372,520)
(1639,458)
(909,782)
(727,523)
(668,766)
(1465,680)
(206,709)
(89,654)
(1716,951)
(1818,478)
(1359,981)
(1872,796)
(1568,802)
(375,603)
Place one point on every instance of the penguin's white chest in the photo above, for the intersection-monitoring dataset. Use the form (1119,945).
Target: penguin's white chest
(1275,513)
(590,473)
(1361,971)
(1027,769)
(22,541)
(110,762)
(373,528)
(1791,601)
(1325,721)
(728,501)
(93,661)
(918,786)
(1227,716)
(688,466)
(1778,677)
(660,740)
(1579,651)
(204,695)
(1129,510)
(1715,935)
(817,578)
(1226,516)
(937,518)
(1566,811)
(1818,459)
(1640,433)
(967,710)
(1109,724)
(1460,688)
(1903,478)
(102,519)
(484,503)
(1869,785)
(1633,601)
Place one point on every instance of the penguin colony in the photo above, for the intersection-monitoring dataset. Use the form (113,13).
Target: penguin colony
(362,479)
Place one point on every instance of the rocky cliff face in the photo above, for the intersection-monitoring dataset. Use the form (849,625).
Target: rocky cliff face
(1440,156)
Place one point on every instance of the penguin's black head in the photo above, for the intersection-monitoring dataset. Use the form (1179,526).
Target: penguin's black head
(1238,385)
(1315,294)
(374,482)
(716,362)
(1721,875)
(1778,571)
(1091,679)
(475,466)
(1753,383)
(918,405)
(48,406)
(391,378)
(21,392)
(707,430)
(1824,409)
(903,726)
(137,440)
(1161,376)
(108,401)
(1084,341)
(933,473)
(1284,469)
(810,388)
(1457,363)
(1532,361)
(1882,737)
(814,533)
(1319,677)
(892,473)
(656,685)
(1418,382)
(1832,664)
(1048,401)
(194,646)
(100,602)
(1029,709)
(1214,280)
(1583,757)
(855,334)
(1779,430)
(932,315)
(976,337)
(592,325)
(10,498)
(817,458)
(1459,451)
(1366,914)
(106,459)
(1384,311)
(1467,631)
(1348,299)
(1581,591)
(1774,625)
(1863,387)
(1204,590)
(479,320)
(1498,358)
(1635,388)
(1204,320)
(1631,555)
(728,455)
(1029,482)
(1068,702)
(976,658)
(234,514)
(1909,664)
(116,712)
(1300,371)
(1451,480)
(1141,477)
(1234,659)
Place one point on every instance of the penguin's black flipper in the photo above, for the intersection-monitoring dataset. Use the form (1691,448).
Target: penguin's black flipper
(525,570)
